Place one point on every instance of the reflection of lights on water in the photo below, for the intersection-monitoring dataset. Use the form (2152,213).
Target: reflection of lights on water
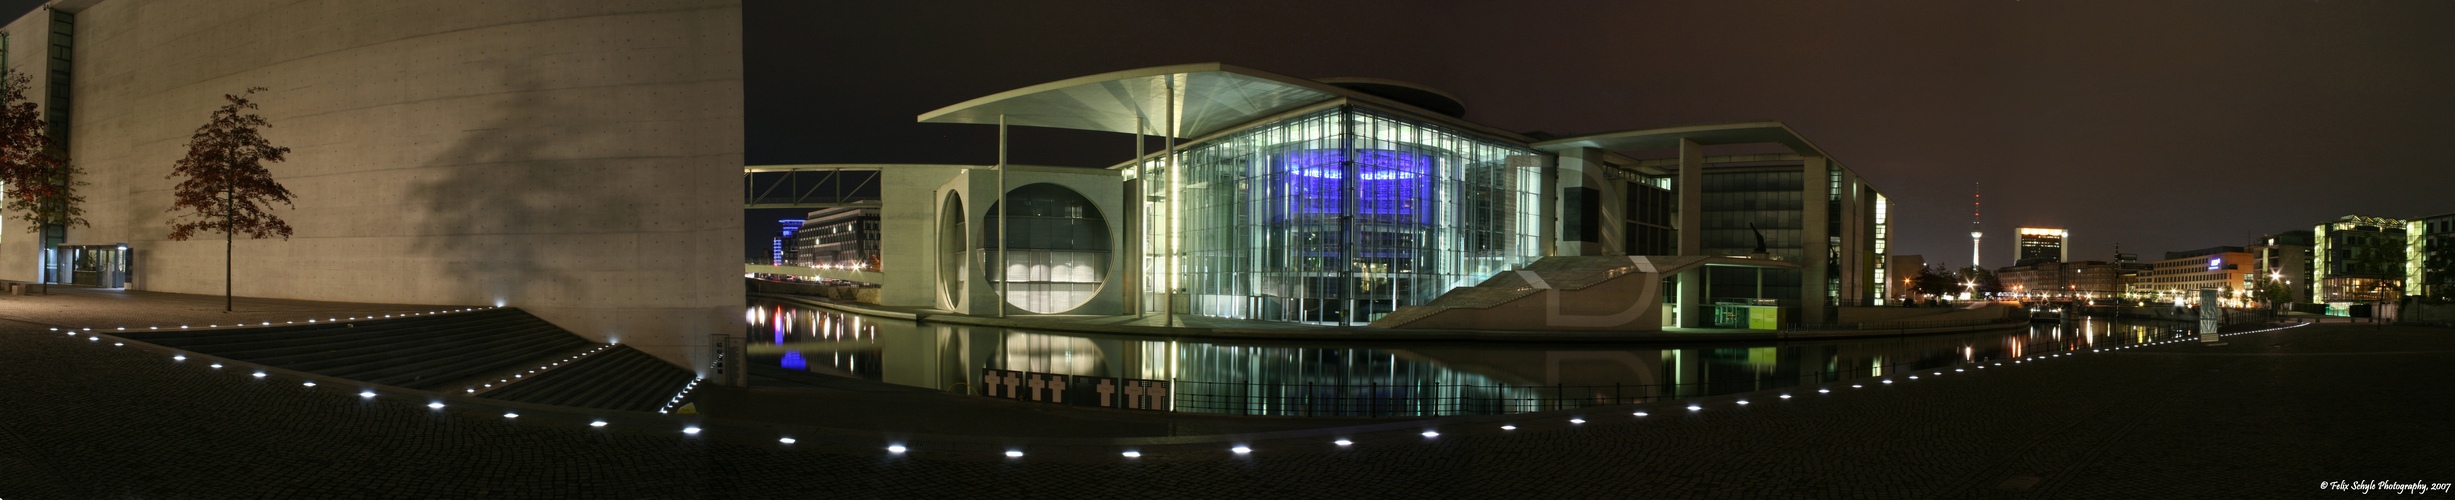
(792,360)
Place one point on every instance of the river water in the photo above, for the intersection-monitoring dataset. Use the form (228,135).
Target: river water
(1372,378)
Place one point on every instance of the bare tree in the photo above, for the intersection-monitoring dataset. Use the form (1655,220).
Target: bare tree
(227,186)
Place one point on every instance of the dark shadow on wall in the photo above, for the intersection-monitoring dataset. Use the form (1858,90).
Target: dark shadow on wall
(514,200)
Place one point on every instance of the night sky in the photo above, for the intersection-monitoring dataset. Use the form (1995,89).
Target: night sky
(2160,125)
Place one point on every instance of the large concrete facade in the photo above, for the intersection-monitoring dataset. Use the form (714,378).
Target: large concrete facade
(574,158)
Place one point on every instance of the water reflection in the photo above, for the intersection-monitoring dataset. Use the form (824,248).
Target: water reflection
(1416,379)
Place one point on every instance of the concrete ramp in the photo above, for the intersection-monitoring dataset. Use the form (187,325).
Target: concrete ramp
(1600,293)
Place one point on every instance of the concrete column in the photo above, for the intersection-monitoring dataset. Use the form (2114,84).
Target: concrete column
(1691,185)
(1814,195)
(1549,213)
(1854,238)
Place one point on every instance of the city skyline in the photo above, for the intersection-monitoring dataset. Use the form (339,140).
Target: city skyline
(2049,104)
(2108,119)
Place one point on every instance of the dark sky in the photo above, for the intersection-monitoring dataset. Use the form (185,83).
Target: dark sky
(2156,125)
(2165,125)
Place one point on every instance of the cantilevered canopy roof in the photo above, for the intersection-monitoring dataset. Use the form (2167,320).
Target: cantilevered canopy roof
(1658,138)
(1209,97)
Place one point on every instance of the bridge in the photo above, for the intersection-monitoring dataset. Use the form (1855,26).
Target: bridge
(810,186)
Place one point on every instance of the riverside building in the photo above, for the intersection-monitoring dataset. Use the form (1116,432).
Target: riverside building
(1350,201)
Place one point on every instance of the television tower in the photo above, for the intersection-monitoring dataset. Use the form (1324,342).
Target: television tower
(1976,233)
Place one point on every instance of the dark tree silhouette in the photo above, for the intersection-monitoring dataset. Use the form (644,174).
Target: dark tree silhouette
(227,187)
(41,186)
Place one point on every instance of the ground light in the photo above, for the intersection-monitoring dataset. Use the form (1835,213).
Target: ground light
(1638,414)
(690,430)
(1508,427)
(1014,454)
(1576,421)
(599,423)
(366,394)
(510,415)
(435,405)
(1241,450)
(1343,442)
(1432,434)
(785,440)
(1695,408)
(1131,454)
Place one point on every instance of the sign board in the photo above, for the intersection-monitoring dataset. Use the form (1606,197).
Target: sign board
(2209,314)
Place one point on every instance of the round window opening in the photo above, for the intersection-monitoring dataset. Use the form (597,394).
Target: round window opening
(952,268)
(1057,248)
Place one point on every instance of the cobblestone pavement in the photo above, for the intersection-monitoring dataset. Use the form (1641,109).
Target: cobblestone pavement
(2270,414)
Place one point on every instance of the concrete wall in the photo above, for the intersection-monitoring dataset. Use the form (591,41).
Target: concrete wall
(907,223)
(574,158)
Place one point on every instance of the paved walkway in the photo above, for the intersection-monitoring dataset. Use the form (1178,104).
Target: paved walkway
(2269,414)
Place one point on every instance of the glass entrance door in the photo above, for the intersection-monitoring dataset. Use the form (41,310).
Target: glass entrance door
(104,266)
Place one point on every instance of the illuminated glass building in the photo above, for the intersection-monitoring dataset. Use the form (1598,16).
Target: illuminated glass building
(1340,201)
(2363,259)
(2042,245)
(782,250)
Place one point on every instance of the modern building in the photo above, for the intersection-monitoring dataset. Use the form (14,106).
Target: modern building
(2285,259)
(577,159)
(1343,201)
(2432,270)
(784,249)
(2361,259)
(2182,274)
(2053,280)
(2040,245)
(841,238)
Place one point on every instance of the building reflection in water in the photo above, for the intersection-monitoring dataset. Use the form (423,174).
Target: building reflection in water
(1312,378)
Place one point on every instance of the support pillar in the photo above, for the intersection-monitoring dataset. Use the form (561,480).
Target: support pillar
(1815,212)
(1691,186)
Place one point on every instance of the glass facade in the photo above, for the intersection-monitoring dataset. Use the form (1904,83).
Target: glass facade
(1769,200)
(1336,216)
(1056,253)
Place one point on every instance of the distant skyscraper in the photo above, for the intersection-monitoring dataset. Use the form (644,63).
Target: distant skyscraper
(2039,245)
(782,250)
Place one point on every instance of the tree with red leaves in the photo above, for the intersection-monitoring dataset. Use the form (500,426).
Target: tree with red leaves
(40,184)
(227,186)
